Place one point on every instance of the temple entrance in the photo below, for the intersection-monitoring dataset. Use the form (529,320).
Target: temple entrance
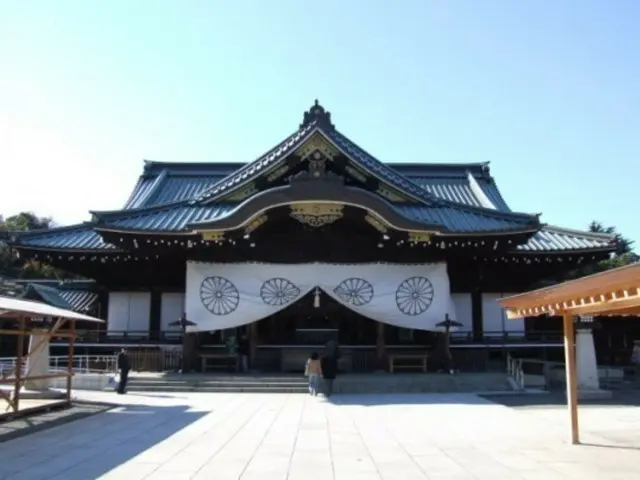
(313,321)
(283,341)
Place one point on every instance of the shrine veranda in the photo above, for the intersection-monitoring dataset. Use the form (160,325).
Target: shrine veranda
(315,240)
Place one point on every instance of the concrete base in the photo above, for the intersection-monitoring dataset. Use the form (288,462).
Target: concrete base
(38,362)
(84,381)
(594,394)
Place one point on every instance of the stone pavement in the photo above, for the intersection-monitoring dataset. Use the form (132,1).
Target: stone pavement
(281,436)
(27,425)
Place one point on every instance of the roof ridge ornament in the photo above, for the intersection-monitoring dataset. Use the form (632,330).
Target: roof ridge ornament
(319,115)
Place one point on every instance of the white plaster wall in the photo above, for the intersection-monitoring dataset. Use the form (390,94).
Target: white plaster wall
(171,309)
(129,311)
(462,304)
(494,318)
(139,311)
(118,316)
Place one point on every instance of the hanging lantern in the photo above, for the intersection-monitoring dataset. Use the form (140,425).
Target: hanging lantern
(316,298)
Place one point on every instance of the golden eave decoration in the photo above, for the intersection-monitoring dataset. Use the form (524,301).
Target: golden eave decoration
(419,237)
(212,235)
(317,214)
(317,143)
(376,223)
(255,223)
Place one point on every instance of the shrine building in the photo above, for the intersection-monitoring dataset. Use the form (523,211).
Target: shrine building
(316,239)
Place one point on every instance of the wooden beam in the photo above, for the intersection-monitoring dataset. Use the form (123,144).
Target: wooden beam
(34,377)
(630,304)
(381,348)
(17,384)
(28,332)
(572,381)
(72,327)
(253,341)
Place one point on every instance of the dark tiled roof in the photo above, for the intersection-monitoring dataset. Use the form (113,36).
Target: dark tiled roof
(556,239)
(177,217)
(80,301)
(75,237)
(466,221)
(76,295)
(187,181)
(252,169)
(46,294)
(169,219)
(548,239)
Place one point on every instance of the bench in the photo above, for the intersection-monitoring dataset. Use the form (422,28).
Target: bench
(221,361)
(408,360)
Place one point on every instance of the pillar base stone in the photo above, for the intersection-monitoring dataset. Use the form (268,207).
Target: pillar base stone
(594,394)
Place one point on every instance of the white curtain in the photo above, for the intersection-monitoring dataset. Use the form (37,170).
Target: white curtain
(226,295)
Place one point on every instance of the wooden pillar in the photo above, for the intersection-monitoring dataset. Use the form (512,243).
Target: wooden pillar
(380,345)
(253,341)
(155,312)
(572,381)
(17,384)
(72,340)
(477,322)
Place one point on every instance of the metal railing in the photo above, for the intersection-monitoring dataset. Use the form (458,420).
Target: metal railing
(515,370)
(81,364)
(8,367)
(460,337)
(547,374)
(85,363)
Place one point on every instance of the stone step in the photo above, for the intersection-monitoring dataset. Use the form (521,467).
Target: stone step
(374,383)
(200,385)
(220,389)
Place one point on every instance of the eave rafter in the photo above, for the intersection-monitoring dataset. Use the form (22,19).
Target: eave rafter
(614,292)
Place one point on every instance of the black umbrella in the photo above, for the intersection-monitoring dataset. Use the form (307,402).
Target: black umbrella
(447,324)
(183,323)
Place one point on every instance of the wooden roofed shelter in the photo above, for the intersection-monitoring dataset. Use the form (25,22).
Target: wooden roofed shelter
(614,292)
(23,311)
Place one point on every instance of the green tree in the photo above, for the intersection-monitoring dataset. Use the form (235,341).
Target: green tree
(13,266)
(623,254)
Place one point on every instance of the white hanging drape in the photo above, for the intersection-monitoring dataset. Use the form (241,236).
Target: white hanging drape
(226,295)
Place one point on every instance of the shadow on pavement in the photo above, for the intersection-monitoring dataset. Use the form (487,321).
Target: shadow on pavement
(379,399)
(558,399)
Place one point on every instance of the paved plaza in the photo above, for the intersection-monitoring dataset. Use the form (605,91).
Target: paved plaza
(293,436)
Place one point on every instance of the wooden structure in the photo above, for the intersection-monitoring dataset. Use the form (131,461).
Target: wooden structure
(612,293)
(316,196)
(23,311)
(410,361)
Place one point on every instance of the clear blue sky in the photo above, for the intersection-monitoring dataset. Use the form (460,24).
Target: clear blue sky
(548,92)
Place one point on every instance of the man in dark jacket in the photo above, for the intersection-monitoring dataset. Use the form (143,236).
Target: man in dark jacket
(243,354)
(329,365)
(124,366)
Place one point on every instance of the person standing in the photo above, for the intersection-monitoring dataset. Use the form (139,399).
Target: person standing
(329,367)
(124,365)
(243,353)
(313,370)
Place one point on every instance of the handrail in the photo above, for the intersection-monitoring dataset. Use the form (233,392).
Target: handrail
(156,337)
(81,364)
(515,370)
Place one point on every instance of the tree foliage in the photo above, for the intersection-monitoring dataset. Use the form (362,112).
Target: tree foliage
(623,254)
(11,265)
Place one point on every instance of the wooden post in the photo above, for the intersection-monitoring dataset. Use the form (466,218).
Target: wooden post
(17,384)
(380,345)
(72,338)
(572,381)
(253,341)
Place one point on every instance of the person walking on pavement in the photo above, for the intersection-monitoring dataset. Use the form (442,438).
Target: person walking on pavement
(124,366)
